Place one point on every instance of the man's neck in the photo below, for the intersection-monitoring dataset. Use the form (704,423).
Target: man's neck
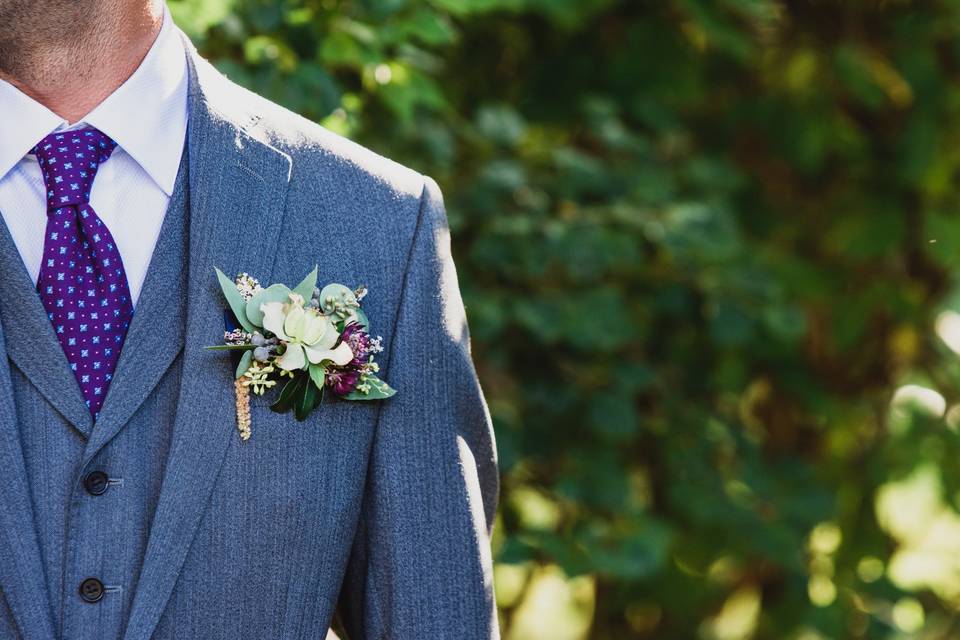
(72,82)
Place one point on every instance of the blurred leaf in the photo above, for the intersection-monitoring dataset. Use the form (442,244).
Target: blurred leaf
(708,252)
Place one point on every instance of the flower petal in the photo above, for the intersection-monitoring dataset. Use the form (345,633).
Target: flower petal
(315,326)
(340,356)
(293,358)
(295,322)
(329,337)
(273,319)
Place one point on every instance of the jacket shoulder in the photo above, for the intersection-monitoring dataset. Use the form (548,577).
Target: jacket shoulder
(316,153)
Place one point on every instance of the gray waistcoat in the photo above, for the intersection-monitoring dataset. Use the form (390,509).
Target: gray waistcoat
(81,533)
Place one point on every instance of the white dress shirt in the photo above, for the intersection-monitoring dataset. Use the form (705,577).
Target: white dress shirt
(146,116)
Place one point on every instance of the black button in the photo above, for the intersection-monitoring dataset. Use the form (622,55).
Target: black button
(96,483)
(91,590)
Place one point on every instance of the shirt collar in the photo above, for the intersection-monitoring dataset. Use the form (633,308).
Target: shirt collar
(25,121)
(146,115)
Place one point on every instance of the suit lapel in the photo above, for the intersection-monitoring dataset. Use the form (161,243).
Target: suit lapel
(238,185)
(156,334)
(31,342)
(21,568)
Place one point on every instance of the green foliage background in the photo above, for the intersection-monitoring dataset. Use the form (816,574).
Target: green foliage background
(708,250)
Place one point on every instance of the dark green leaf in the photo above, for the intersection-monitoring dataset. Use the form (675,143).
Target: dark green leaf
(289,393)
(307,398)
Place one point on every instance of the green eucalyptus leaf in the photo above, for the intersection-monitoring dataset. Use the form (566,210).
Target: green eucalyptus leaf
(245,361)
(273,293)
(317,374)
(379,390)
(234,300)
(333,293)
(287,395)
(306,287)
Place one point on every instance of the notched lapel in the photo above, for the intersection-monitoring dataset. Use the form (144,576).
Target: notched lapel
(156,334)
(238,186)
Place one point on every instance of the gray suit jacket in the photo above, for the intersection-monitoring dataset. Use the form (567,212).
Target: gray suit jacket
(381,511)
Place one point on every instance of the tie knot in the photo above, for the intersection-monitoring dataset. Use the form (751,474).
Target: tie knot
(69,161)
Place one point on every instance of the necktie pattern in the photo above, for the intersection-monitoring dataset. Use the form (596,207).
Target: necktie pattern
(82,283)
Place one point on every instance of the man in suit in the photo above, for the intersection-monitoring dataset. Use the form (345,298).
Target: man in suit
(129,169)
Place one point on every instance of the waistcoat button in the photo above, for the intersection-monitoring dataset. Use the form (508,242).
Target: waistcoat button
(91,590)
(96,483)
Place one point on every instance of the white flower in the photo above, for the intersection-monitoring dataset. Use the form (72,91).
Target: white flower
(308,334)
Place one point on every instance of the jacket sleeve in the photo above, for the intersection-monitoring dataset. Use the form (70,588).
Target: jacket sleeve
(420,566)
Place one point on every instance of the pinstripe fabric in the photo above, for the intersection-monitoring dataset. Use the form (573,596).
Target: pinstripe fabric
(380,511)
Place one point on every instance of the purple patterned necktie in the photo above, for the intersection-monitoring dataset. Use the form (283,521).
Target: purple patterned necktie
(82,283)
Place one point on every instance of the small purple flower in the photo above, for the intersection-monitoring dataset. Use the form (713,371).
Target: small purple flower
(343,380)
(359,341)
